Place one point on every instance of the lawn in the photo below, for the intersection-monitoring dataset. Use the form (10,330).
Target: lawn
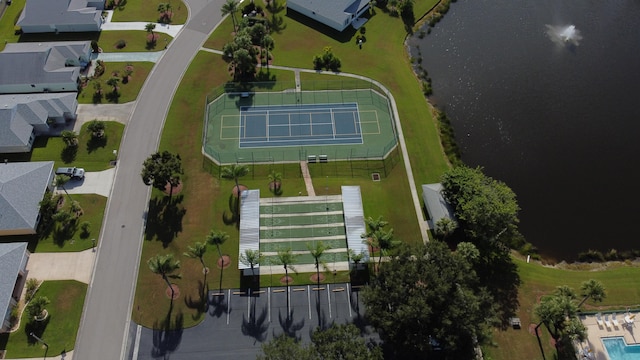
(622,289)
(59,331)
(92,155)
(136,41)
(147,11)
(127,91)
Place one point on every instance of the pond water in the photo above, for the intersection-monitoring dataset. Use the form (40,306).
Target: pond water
(544,95)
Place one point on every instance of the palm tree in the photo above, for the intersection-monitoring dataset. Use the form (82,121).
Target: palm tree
(275,178)
(317,253)
(592,289)
(286,258)
(268,44)
(373,225)
(251,258)
(356,258)
(35,308)
(235,172)
(150,27)
(197,251)
(113,82)
(217,238)
(231,7)
(69,137)
(385,243)
(60,180)
(445,227)
(76,209)
(165,266)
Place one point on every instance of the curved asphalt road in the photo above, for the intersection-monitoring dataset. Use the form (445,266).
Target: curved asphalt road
(104,328)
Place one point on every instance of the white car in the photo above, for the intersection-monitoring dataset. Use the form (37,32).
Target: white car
(72,172)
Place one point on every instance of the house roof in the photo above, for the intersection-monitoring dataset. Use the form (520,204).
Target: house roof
(22,185)
(12,258)
(19,113)
(436,205)
(42,63)
(337,10)
(59,12)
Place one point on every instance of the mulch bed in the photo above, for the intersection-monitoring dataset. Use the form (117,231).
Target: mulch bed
(314,278)
(235,189)
(176,190)
(224,262)
(176,292)
(274,185)
(286,279)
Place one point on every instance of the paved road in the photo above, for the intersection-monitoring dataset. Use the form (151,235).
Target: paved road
(104,328)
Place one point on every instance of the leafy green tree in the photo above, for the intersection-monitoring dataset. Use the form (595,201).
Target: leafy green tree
(197,251)
(486,209)
(251,258)
(165,266)
(373,226)
(161,169)
(76,209)
(235,172)
(244,64)
(592,289)
(70,138)
(268,44)
(231,7)
(385,242)
(445,227)
(429,293)
(284,347)
(343,342)
(113,82)
(558,313)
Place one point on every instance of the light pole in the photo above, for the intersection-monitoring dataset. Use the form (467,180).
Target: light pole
(39,339)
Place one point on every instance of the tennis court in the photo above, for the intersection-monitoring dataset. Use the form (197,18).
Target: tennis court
(285,125)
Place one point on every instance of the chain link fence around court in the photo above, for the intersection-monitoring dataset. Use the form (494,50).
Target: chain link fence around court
(377,153)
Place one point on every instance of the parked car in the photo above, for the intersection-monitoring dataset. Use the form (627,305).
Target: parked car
(72,172)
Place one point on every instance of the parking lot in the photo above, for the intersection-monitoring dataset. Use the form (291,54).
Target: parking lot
(238,322)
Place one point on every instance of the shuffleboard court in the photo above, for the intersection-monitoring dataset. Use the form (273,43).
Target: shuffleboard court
(289,125)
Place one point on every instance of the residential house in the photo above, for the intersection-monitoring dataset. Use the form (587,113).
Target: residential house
(22,187)
(338,14)
(13,274)
(436,205)
(43,67)
(54,16)
(24,116)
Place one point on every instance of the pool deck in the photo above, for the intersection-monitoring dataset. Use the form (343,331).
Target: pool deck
(595,333)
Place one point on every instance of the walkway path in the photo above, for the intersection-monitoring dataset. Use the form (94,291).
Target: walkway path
(151,56)
(104,329)
(168,29)
(61,266)
(307,178)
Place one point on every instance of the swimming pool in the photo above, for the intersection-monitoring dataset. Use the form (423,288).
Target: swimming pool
(618,350)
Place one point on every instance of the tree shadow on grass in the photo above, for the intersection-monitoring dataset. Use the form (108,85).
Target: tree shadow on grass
(63,233)
(200,303)
(113,97)
(95,143)
(68,154)
(167,335)
(164,219)
(232,217)
(37,328)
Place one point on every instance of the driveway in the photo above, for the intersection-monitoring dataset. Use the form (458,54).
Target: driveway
(61,266)
(103,112)
(98,182)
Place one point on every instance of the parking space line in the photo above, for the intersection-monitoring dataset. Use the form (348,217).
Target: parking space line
(269,302)
(329,300)
(309,300)
(288,302)
(228,305)
(349,299)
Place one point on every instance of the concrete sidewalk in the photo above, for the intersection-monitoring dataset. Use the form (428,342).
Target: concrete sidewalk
(61,266)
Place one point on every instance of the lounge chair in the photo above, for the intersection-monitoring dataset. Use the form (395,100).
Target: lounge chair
(614,320)
(599,320)
(607,323)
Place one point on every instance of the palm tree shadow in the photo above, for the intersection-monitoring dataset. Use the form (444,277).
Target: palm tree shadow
(322,317)
(256,326)
(201,303)
(167,335)
(233,216)
(218,306)
(289,327)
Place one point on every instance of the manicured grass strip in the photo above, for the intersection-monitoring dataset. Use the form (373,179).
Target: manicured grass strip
(136,41)
(301,220)
(147,11)
(308,259)
(93,211)
(300,245)
(92,155)
(61,328)
(126,91)
(273,280)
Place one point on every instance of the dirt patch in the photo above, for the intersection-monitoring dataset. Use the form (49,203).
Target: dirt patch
(176,292)
(286,280)
(224,262)
(176,189)
(316,276)
(235,189)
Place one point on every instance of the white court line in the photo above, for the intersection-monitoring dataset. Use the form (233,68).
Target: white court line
(309,299)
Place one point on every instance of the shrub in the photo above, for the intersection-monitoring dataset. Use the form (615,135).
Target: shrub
(120,44)
(94,46)
(85,229)
(591,256)
(317,62)
(99,70)
(36,306)
(31,288)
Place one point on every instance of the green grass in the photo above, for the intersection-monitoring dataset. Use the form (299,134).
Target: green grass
(90,155)
(136,41)
(273,280)
(8,22)
(127,92)
(622,289)
(67,299)
(139,10)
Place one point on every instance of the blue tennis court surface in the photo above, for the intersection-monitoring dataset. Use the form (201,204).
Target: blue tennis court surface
(288,125)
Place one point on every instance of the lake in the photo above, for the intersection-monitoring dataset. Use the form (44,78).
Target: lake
(556,120)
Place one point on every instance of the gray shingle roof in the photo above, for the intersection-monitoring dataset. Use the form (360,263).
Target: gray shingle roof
(58,12)
(22,185)
(12,258)
(436,205)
